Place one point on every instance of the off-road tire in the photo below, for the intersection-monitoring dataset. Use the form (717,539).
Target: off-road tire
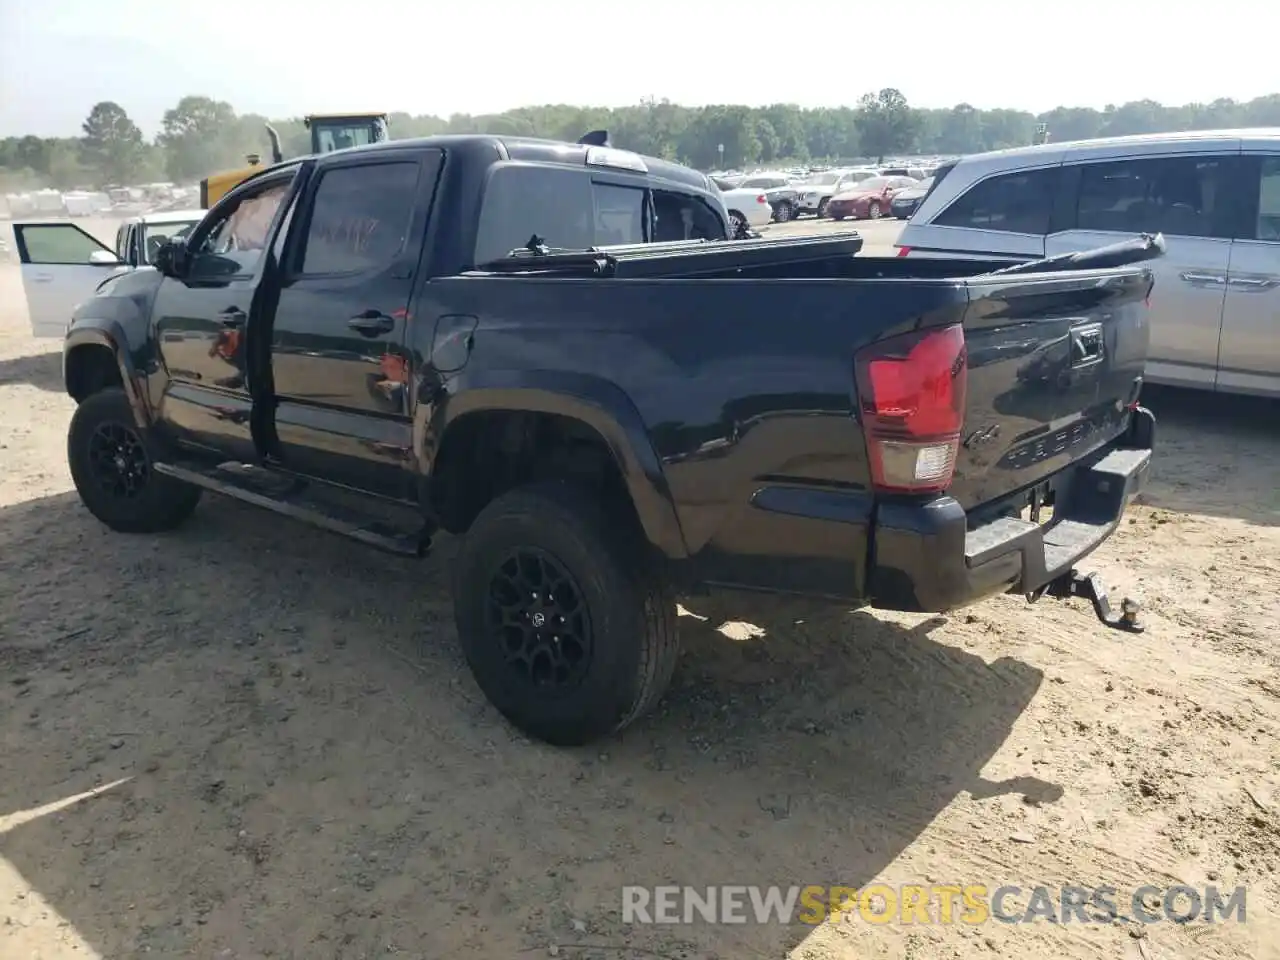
(630,608)
(161,503)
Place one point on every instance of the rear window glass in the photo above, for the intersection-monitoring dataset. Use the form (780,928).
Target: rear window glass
(1013,203)
(562,208)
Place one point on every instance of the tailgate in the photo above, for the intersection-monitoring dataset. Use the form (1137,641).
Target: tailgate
(1054,360)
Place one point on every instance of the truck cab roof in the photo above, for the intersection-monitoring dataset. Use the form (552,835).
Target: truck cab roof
(490,148)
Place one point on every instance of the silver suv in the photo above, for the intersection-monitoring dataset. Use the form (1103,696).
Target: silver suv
(1215,195)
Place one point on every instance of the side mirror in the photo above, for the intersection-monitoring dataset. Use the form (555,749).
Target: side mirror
(103,258)
(171,258)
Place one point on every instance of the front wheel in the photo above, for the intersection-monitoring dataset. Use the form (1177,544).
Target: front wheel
(873,211)
(784,213)
(567,627)
(111,465)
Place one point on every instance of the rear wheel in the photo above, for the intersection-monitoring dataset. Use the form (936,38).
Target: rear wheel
(567,628)
(111,463)
(738,223)
(822,207)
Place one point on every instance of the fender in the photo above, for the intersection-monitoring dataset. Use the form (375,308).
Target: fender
(107,334)
(117,318)
(598,403)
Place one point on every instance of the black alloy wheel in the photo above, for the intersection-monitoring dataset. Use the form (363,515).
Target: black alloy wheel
(118,460)
(539,618)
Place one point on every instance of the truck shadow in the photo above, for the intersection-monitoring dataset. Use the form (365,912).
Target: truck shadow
(41,370)
(311,771)
(1216,455)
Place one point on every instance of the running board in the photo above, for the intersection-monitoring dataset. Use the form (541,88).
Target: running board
(289,496)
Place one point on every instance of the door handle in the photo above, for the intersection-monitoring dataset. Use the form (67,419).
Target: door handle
(1086,345)
(232,317)
(42,278)
(1192,277)
(371,323)
(1254,283)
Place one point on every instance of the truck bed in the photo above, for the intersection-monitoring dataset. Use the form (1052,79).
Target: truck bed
(747,349)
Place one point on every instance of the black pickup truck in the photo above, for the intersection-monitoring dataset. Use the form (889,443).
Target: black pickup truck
(552,349)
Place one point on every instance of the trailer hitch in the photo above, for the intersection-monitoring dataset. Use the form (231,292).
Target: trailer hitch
(1091,588)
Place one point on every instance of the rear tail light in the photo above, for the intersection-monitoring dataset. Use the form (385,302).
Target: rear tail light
(903,251)
(911,401)
(762,199)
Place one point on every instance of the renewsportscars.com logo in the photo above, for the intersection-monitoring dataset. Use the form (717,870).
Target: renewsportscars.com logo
(931,904)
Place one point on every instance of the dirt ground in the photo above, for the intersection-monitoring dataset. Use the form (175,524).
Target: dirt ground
(291,760)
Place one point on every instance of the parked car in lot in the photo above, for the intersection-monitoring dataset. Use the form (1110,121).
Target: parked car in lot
(915,173)
(1214,195)
(817,191)
(867,199)
(748,209)
(84,263)
(782,194)
(905,201)
(604,420)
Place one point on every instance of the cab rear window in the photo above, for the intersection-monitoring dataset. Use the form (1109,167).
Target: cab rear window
(568,209)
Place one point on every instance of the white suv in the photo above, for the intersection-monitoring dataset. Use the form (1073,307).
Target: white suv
(1215,195)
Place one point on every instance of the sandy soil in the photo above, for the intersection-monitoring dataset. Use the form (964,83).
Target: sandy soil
(292,761)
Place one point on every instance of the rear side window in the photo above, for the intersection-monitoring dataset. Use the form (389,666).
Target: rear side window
(1181,196)
(360,217)
(1012,203)
(679,216)
(1268,225)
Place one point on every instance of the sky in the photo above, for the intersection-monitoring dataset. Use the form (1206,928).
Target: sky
(58,59)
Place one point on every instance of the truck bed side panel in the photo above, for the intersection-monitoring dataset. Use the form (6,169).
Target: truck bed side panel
(740,382)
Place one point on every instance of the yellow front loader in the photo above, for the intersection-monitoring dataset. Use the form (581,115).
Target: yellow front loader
(329,131)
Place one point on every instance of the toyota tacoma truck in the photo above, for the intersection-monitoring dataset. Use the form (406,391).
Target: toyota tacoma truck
(554,351)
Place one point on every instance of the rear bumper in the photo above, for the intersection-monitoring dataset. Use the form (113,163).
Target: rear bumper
(926,559)
(759,215)
(848,546)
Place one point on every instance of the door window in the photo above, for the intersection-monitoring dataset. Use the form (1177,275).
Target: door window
(1013,203)
(1181,196)
(1268,224)
(60,243)
(360,217)
(235,242)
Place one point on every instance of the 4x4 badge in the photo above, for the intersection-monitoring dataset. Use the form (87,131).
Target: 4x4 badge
(979,437)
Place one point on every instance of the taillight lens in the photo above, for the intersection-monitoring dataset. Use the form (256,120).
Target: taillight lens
(762,199)
(904,251)
(911,400)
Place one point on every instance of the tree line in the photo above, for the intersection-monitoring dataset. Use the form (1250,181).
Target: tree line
(200,135)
